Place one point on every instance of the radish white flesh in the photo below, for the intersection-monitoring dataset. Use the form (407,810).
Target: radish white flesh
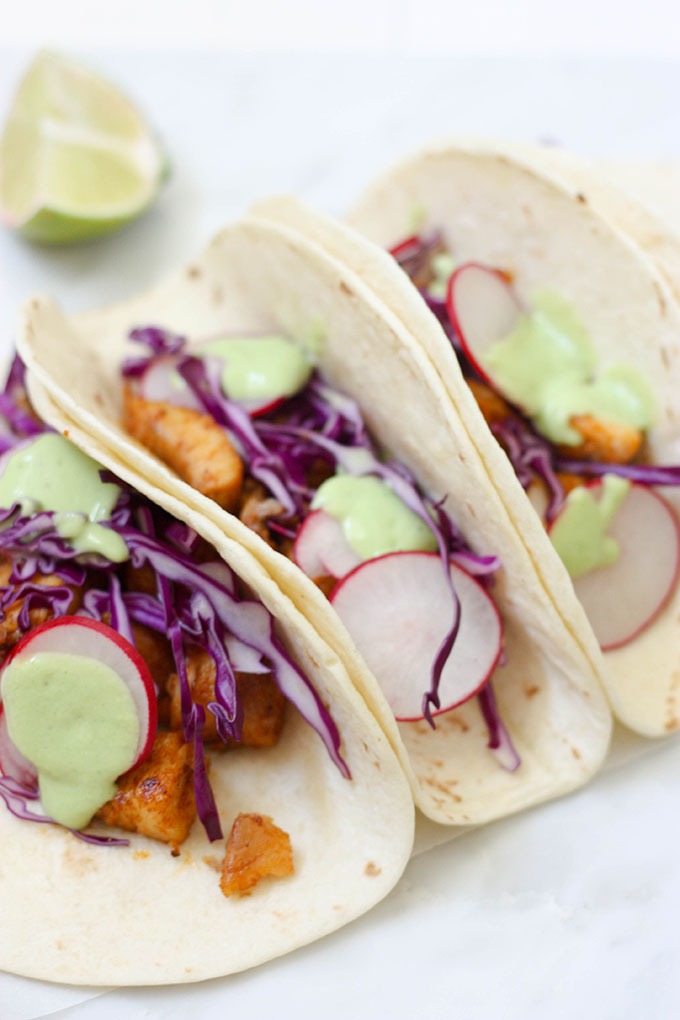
(482,309)
(161,382)
(256,408)
(624,598)
(398,609)
(12,761)
(321,549)
(79,635)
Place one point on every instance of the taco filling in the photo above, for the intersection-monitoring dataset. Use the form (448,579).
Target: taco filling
(574,431)
(249,422)
(131,655)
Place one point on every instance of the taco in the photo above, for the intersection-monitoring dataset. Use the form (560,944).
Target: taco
(160,695)
(567,335)
(493,702)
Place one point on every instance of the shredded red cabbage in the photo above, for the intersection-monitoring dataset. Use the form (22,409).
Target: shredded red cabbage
(17,798)
(643,474)
(321,425)
(195,605)
(533,459)
(500,742)
(532,456)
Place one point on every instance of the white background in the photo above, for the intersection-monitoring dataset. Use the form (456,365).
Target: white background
(580,27)
(567,911)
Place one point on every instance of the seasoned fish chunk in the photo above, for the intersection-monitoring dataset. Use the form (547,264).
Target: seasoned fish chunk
(156,799)
(257,507)
(10,630)
(189,442)
(493,407)
(608,441)
(256,849)
(155,649)
(263,703)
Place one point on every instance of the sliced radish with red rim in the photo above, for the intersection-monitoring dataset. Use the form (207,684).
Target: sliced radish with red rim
(161,382)
(398,609)
(81,636)
(321,549)
(483,310)
(623,599)
(412,245)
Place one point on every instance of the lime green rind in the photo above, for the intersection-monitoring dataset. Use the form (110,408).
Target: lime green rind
(54,228)
(100,167)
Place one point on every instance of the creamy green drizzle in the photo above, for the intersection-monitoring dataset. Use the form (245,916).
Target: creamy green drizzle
(374,519)
(75,720)
(580,532)
(548,366)
(52,474)
(443,266)
(415,220)
(260,367)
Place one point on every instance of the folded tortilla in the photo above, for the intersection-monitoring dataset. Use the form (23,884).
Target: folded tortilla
(90,914)
(543,217)
(260,276)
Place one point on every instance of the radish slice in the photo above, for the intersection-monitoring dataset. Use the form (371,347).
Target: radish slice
(162,382)
(483,310)
(624,598)
(321,549)
(79,635)
(12,761)
(410,246)
(398,610)
(256,408)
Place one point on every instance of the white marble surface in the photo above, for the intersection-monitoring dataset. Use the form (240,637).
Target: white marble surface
(567,911)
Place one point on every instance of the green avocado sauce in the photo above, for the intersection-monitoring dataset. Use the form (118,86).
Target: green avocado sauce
(547,365)
(51,474)
(443,266)
(260,367)
(374,519)
(75,720)
(579,534)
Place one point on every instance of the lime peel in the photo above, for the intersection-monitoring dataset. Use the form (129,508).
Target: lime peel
(77,160)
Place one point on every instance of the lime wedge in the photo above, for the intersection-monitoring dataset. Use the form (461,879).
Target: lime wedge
(76,158)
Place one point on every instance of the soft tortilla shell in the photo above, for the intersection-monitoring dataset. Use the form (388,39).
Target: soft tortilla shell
(258,276)
(83,914)
(496,205)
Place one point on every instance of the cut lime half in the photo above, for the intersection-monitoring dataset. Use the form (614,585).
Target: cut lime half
(76,158)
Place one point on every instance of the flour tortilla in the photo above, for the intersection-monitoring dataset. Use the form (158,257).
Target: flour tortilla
(83,914)
(651,223)
(259,276)
(502,205)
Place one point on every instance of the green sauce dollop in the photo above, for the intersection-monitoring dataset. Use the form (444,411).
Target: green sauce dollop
(443,266)
(52,474)
(580,532)
(374,520)
(548,366)
(260,367)
(75,720)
